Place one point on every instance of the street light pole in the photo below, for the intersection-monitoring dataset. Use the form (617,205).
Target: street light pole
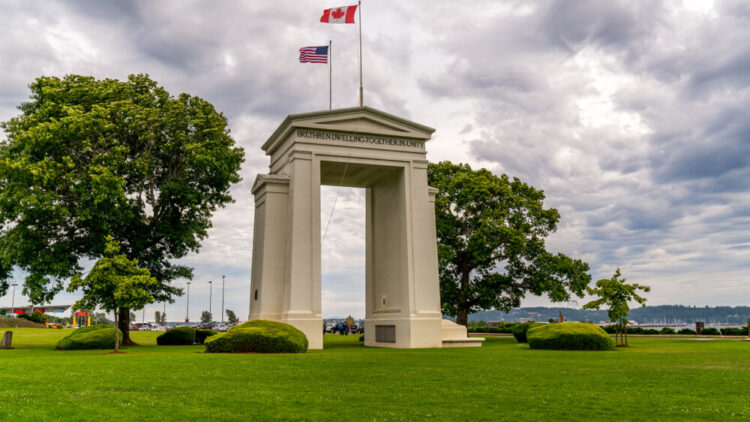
(222,299)
(210,298)
(13,301)
(187,312)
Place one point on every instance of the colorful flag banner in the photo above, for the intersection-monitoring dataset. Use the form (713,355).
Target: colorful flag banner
(344,14)
(313,54)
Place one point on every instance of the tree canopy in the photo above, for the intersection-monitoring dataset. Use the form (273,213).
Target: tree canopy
(231,317)
(206,317)
(491,243)
(89,158)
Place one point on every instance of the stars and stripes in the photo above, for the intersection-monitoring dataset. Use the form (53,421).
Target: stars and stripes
(313,54)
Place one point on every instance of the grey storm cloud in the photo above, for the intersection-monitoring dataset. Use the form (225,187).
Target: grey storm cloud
(631,116)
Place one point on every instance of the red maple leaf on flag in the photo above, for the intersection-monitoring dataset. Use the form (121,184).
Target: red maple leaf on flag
(337,13)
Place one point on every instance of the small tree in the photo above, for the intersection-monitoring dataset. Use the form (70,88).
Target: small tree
(157,317)
(163,318)
(114,283)
(615,293)
(206,317)
(231,316)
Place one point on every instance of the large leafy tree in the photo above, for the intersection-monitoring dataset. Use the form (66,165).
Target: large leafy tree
(491,232)
(615,293)
(89,158)
(115,282)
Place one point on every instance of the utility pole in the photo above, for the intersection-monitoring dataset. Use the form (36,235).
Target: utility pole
(13,301)
(187,312)
(222,299)
(210,298)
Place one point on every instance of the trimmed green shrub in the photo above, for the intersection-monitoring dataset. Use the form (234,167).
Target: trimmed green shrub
(100,336)
(259,336)
(667,330)
(503,327)
(710,331)
(686,331)
(519,330)
(202,333)
(179,336)
(362,337)
(569,336)
(36,316)
(734,331)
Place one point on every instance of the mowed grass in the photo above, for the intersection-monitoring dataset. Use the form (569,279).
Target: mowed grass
(656,379)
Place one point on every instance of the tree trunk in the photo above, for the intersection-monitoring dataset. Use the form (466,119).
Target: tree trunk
(124,326)
(462,309)
(117,334)
(462,315)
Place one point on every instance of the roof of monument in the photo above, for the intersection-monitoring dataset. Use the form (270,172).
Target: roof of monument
(354,119)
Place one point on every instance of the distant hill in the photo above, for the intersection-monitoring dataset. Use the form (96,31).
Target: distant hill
(662,314)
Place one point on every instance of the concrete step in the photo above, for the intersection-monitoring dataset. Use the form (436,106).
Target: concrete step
(463,342)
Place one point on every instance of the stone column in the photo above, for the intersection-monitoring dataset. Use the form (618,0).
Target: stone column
(302,277)
(269,247)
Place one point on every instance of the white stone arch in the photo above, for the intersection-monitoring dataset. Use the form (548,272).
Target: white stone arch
(385,155)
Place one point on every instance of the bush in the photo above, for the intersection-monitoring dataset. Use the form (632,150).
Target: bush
(611,329)
(667,330)
(179,336)
(710,332)
(519,330)
(94,337)
(569,336)
(37,317)
(686,331)
(502,327)
(734,331)
(202,333)
(259,336)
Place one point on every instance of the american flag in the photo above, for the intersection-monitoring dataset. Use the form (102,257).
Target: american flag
(313,54)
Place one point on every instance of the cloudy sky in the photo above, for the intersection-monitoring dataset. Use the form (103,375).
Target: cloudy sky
(631,116)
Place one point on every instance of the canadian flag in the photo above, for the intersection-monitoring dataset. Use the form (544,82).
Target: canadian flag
(343,14)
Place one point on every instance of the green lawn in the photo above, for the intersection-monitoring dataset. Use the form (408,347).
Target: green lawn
(656,379)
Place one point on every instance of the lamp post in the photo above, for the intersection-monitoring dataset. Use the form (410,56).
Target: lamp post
(13,301)
(210,298)
(222,299)
(187,312)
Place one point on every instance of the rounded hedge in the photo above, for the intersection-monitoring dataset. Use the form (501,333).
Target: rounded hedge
(519,330)
(94,337)
(179,336)
(201,334)
(569,336)
(259,336)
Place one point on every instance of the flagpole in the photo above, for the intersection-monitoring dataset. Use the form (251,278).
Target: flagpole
(361,95)
(330,73)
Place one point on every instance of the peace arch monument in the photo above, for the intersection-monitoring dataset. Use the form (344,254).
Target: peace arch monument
(355,147)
